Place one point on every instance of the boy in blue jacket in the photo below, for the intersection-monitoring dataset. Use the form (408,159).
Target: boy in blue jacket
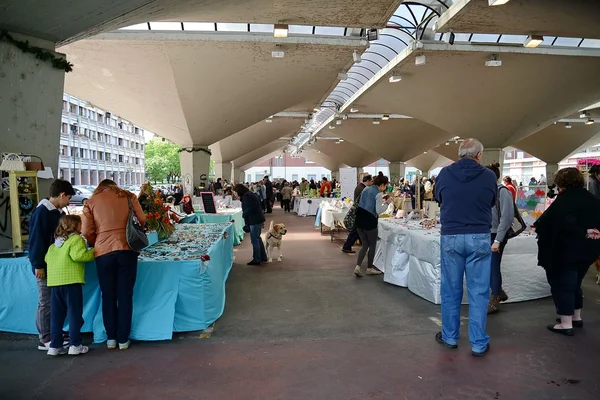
(42,226)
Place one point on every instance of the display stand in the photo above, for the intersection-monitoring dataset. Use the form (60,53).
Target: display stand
(208,202)
(24,198)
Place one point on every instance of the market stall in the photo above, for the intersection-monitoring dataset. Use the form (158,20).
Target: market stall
(180,286)
(304,206)
(226,215)
(408,253)
(220,201)
(331,214)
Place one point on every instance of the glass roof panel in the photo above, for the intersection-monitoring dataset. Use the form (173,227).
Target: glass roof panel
(484,38)
(594,43)
(301,29)
(513,39)
(548,40)
(199,26)
(462,37)
(565,41)
(264,28)
(165,26)
(329,30)
(138,27)
(226,27)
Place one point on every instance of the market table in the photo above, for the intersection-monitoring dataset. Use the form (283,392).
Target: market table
(226,201)
(225,215)
(175,290)
(304,206)
(409,256)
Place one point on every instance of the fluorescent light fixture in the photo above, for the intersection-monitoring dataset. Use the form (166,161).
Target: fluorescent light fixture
(376,122)
(420,60)
(342,76)
(590,121)
(447,143)
(395,78)
(345,117)
(424,152)
(356,56)
(533,41)
(316,109)
(277,54)
(385,117)
(331,126)
(493,61)
(497,2)
(341,140)
(568,125)
(338,121)
(354,110)
(584,114)
(336,142)
(269,120)
(280,30)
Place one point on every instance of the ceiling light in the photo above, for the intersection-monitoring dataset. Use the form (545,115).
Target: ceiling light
(584,114)
(420,60)
(280,31)
(269,120)
(341,140)
(345,117)
(424,152)
(385,117)
(533,41)
(376,122)
(356,56)
(497,2)
(277,54)
(342,76)
(338,121)
(331,126)
(354,110)
(395,78)
(447,143)
(568,125)
(589,121)
(316,109)
(493,61)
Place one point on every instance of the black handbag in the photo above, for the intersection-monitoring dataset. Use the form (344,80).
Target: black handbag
(517,225)
(136,237)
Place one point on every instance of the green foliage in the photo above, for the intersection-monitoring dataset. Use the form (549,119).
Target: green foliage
(57,61)
(162,160)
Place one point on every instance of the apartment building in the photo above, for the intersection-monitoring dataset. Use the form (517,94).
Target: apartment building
(97,145)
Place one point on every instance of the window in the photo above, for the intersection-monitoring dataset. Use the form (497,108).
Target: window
(312,177)
(120,142)
(100,117)
(120,158)
(73,108)
(279,161)
(520,154)
(64,128)
(249,177)
(64,105)
(141,147)
(294,177)
(81,153)
(63,150)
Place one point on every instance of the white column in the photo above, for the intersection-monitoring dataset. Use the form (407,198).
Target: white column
(195,167)
(397,172)
(223,169)
(97,174)
(551,170)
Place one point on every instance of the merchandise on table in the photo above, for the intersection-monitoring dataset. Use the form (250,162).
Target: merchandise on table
(188,242)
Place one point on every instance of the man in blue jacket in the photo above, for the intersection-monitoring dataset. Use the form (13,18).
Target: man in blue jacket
(467,192)
(42,226)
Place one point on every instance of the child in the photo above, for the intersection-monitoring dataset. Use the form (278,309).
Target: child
(44,222)
(65,260)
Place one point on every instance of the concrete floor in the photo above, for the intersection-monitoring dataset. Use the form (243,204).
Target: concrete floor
(305,328)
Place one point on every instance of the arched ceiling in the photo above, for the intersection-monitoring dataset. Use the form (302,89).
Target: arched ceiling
(450,150)
(67,21)
(323,159)
(573,18)
(456,92)
(196,89)
(425,162)
(345,153)
(260,154)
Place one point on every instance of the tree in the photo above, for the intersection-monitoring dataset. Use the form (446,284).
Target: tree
(162,160)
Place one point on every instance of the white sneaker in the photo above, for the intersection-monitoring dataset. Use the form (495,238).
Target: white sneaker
(373,271)
(358,272)
(43,346)
(56,352)
(76,350)
(111,344)
(124,346)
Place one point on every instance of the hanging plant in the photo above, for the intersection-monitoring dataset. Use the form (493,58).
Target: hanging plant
(193,150)
(57,61)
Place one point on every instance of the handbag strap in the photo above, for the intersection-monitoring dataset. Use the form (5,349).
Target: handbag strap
(129,203)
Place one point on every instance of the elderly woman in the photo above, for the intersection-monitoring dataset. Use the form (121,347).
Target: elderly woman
(105,217)
(567,245)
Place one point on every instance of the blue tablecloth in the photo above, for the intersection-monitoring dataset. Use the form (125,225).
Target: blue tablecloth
(225,217)
(169,296)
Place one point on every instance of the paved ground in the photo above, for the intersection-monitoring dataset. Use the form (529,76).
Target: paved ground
(305,328)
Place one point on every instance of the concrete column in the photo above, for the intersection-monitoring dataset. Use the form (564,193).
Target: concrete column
(67,176)
(238,175)
(97,175)
(491,156)
(223,169)
(551,170)
(397,172)
(78,177)
(195,167)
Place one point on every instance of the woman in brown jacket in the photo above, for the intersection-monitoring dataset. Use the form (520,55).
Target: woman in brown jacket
(105,218)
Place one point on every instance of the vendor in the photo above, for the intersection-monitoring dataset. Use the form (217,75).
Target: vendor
(390,208)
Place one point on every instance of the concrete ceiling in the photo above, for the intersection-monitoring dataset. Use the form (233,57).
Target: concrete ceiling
(554,143)
(258,155)
(573,18)
(254,137)
(450,151)
(196,89)
(425,162)
(394,139)
(345,153)
(456,92)
(67,21)
(323,159)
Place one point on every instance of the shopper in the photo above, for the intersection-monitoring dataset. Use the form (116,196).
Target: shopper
(42,225)
(286,195)
(66,260)
(510,186)
(594,180)
(325,189)
(503,214)
(254,220)
(567,245)
(105,217)
(367,181)
(467,192)
(269,195)
(370,206)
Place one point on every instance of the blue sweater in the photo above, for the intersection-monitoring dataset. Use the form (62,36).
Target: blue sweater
(467,192)
(42,226)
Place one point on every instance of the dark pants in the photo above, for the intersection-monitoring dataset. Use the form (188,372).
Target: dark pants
(496,273)
(565,285)
(117,272)
(352,237)
(369,245)
(259,253)
(66,300)
(286,205)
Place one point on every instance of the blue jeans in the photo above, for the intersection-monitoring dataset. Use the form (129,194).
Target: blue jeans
(66,301)
(496,273)
(117,272)
(352,237)
(258,247)
(470,254)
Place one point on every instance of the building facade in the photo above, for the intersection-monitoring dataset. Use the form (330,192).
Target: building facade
(97,145)
(288,168)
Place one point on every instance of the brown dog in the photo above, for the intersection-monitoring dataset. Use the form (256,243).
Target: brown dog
(273,240)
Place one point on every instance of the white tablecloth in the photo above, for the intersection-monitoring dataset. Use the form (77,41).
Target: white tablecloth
(303,208)
(330,215)
(226,201)
(410,257)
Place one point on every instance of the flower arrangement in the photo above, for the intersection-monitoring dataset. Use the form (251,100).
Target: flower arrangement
(157,214)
